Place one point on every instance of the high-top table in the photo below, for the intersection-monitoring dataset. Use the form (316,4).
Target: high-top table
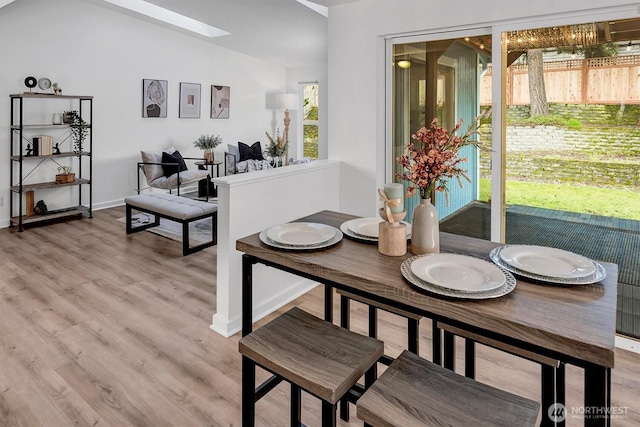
(575,325)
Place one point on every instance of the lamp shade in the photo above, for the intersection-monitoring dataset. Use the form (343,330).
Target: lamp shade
(287,101)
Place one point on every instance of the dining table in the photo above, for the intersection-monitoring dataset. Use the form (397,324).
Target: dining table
(573,324)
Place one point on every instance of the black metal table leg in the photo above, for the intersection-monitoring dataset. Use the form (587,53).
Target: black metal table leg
(469,358)
(560,390)
(373,322)
(345,322)
(328,303)
(596,396)
(247,295)
(248,392)
(413,335)
(296,406)
(449,350)
(436,343)
(548,399)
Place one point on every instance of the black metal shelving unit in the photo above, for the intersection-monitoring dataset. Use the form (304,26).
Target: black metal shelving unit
(20,162)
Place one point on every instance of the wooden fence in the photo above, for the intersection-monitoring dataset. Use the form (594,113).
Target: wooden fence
(575,81)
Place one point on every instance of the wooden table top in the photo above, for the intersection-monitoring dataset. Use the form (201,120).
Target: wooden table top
(577,321)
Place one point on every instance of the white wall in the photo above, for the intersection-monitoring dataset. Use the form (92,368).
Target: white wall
(251,202)
(93,50)
(356,71)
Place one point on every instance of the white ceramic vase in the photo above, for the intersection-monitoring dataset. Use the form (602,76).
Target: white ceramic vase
(425,229)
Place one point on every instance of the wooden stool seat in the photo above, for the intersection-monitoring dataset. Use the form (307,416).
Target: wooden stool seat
(312,354)
(415,392)
(552,374)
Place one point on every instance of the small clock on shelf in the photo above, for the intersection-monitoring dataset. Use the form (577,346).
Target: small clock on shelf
(44,83)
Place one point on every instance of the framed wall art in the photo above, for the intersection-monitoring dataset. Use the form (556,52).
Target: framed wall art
(220,101)
(189,100)
(154,98)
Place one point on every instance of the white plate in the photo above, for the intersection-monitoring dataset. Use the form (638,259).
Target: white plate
(458,272)
(509,285)
(596,277)
(545,261)
(347,229)
(267,241)
(367,227)
(301,233)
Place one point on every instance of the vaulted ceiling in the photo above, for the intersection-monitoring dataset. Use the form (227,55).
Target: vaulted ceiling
(282,31)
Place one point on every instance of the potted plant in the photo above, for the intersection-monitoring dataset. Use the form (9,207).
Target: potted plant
(208,143)
(277,147)
(79,128)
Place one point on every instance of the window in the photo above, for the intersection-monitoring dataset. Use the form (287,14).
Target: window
(310,120)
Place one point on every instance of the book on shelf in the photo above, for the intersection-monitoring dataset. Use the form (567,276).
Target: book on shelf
(42,145)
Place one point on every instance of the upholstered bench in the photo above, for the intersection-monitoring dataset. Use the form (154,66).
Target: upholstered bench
(174,208)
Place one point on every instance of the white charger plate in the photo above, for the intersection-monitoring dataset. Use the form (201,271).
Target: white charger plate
(506,288)
(599,275)
(267,241)
(301,233)
(546,261)
(458,272)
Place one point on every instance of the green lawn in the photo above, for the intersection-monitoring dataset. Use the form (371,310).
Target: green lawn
(591,200)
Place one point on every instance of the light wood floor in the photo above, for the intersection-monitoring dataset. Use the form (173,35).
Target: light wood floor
(99,328)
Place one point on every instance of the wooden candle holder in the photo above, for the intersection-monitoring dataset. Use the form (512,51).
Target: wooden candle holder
(392,236)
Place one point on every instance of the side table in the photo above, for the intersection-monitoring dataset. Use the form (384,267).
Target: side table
(202,185)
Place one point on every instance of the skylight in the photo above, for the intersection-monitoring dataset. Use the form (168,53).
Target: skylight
(168,16)
(322,10)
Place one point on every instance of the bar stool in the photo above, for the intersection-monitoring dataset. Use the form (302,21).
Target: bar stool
(413,331)
(413,320)
(552,370)
(415,392)
(312,355)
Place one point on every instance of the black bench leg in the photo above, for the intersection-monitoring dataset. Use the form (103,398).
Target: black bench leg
(128,219)
(185,238)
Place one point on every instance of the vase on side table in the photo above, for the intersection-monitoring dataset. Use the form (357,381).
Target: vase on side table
(425,229)
(208,156)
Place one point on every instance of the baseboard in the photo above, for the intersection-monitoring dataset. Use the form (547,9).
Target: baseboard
(628,344)
(229,327)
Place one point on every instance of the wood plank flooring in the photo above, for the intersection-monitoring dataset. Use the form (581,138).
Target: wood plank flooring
(98,328)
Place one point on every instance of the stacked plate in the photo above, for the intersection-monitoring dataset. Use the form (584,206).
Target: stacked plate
(458,276)
(301,236)
(550,265)
(365,229)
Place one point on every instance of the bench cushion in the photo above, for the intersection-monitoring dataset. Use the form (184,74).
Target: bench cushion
(181,208)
